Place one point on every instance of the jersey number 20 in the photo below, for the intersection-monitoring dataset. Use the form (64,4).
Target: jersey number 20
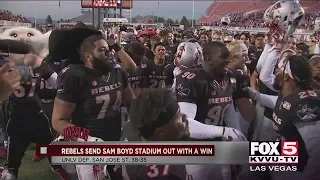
(157,83)
(105,99)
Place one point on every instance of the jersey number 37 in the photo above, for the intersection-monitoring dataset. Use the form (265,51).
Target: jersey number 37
(21,91)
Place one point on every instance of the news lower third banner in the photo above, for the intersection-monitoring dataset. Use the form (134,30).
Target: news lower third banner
(146,152)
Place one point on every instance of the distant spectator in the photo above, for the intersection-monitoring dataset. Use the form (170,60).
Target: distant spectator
(255,20)
(9,16)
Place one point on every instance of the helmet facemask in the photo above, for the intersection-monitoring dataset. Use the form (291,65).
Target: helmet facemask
(285,15)
(294,22)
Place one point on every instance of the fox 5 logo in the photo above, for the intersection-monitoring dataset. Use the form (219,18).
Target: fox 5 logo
(276,148)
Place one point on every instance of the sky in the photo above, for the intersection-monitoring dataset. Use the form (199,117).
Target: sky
(69,9)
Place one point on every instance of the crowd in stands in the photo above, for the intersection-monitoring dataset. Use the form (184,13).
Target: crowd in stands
(255,20)
(9,16)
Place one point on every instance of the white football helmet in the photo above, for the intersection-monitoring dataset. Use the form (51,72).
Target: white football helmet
(285,14)
(189,55)
(225,21)
(317,24)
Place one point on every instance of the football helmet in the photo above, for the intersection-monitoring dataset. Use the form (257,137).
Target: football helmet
(225,21)
(286,15)
(317,24)
(189,55)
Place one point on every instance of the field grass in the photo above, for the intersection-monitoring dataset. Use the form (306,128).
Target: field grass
(30,170)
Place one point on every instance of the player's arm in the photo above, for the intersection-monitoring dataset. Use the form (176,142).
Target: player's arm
(200,131)
(49,75)
(126,60)
(65,101)
(127,94)
(241,97)
(263,99)
(253,80)
(263,57)
(317,49)
(266,75)
(187,94)
(169,75)
(145,71)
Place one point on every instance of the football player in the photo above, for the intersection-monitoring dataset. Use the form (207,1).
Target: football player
(159,73)
(206,94)
(47,95)
(136,78)
(296,114)
(188,56)
(91,95)
(137,52)
(155,116)
(28,123)
(155,113)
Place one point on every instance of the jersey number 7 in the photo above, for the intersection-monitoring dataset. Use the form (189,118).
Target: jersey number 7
(105,99)
(154,171)
(21,91)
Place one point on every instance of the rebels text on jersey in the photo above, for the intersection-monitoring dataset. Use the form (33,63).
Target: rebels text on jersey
(296,117)
(97,96)
(26,97)
(157,76)
(155,172)
(136,78)
(211,97)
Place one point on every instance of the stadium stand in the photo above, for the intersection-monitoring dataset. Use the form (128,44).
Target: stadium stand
(248,13)
(9,16)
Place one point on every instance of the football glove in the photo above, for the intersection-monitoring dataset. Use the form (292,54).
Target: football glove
(91,139)
(59,138)
(252,93)
(231,134)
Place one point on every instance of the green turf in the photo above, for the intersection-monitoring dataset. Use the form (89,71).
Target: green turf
(30,170)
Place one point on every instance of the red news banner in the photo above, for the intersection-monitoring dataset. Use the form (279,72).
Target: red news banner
(126,154)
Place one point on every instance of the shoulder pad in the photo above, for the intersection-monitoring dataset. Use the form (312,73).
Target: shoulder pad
(303,100)
(189,74)
(74,70)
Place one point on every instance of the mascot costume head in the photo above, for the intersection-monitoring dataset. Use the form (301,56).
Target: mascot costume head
(26,35)
(62,44)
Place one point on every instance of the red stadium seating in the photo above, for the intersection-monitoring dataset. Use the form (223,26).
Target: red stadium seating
(9,16)
(241,9)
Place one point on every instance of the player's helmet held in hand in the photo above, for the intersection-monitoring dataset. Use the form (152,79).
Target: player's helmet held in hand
(225,21)
(317,24)
(285,14)
(189,55)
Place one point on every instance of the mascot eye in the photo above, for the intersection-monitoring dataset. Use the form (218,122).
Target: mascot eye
(30,35)
(14,35)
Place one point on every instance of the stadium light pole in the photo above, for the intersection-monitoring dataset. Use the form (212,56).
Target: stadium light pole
(35,18)
(192,13)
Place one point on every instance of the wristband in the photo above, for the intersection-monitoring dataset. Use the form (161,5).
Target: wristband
(116,47)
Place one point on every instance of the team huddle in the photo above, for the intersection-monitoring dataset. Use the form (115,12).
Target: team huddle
(166,90)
